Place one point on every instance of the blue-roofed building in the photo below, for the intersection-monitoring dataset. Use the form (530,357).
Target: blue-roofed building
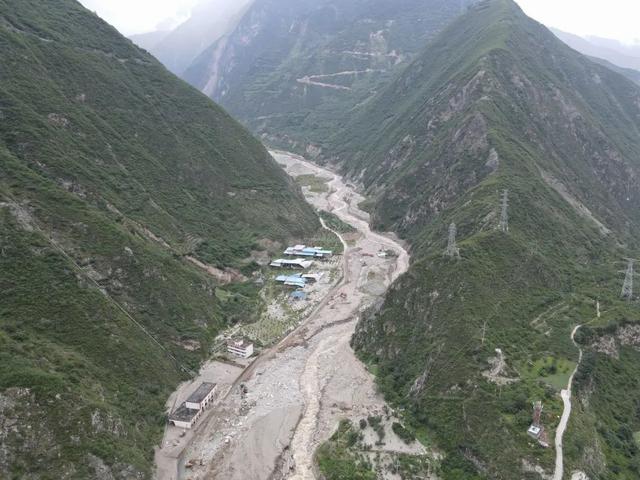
(292,280)
(304,251)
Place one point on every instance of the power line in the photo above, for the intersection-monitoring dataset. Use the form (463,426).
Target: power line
(63,252)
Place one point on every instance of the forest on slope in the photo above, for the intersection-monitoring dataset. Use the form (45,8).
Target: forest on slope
(113,175)
(466,344)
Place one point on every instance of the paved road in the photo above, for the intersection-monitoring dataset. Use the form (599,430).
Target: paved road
(566,414)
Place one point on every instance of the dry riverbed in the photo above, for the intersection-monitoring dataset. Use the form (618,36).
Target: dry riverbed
(299,390)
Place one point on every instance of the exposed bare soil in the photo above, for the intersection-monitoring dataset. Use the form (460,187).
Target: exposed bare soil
(299,390)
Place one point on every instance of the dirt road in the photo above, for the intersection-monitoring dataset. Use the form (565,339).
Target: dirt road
(566,414)
(299,390)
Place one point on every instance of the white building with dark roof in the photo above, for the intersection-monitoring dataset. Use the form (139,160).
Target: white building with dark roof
(202,396)
(242,348)
(187,414)
(184,417)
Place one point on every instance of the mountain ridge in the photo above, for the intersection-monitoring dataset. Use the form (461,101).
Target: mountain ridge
(496,103)
(114,174)
(290,70)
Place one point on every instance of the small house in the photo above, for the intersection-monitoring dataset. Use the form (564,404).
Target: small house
(242,348)
(534,431)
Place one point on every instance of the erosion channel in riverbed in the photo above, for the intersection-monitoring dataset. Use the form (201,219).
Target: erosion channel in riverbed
(300,389)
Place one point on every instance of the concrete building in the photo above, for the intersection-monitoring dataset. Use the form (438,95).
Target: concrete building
(184,417)
(187,414)
(241,348)
(534,432)
(304,251)
(297,263)
(203,395)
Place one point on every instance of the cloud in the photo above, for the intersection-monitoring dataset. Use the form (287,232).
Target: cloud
(617,19)
(138,16)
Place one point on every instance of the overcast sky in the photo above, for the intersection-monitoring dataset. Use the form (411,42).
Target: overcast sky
(618,19)
(139,16)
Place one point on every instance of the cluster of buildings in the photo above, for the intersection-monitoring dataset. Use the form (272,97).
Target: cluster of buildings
(298,257)
(189,411)
(300,280)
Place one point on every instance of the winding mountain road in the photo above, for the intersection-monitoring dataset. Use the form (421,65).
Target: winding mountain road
(566,414)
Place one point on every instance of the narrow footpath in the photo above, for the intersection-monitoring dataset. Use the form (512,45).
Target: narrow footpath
(566,414)
(299,390)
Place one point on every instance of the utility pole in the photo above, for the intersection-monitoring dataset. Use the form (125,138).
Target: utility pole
(504,214)
(452,247)
(627,287)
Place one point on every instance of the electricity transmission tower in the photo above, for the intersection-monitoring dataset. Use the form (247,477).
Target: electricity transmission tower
(627,287)
(452,247)
(504,214)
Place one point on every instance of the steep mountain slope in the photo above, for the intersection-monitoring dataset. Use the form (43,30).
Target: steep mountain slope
(113,174)
(292,69)
(630,73)
(466,345)
(209,21)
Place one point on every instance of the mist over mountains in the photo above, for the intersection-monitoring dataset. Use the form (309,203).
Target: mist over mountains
(179,47)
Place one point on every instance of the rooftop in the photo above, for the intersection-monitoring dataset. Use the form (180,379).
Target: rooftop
(280,262)
(183,414)
(201,392)
(293,280)
(240,343)
(303,250)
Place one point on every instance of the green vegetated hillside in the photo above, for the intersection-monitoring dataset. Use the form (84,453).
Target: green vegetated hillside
(467,345)
(112,173)
(630,73)
(293,69)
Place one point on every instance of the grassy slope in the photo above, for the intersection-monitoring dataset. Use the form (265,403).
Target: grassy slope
(102,150)
(497,81)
